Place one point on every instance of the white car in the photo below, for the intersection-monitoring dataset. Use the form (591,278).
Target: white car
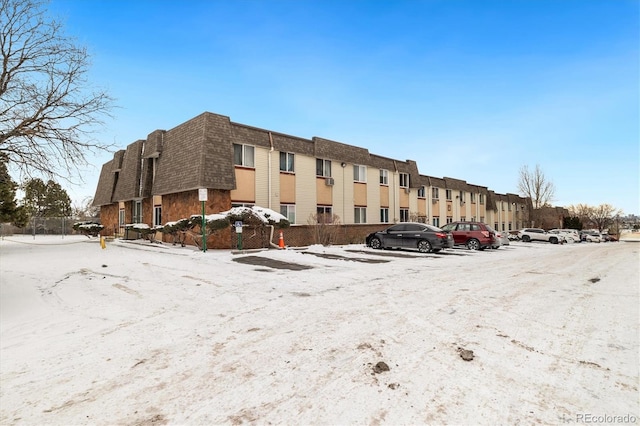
(571,235)
(592,237)
(538,234)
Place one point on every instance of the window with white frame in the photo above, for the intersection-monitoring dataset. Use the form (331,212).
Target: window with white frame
(287,161)
(325,214)
(288,211)
(448,194)
(384,177)
(462,196)
(434,193)
(359,173)
(481,198)
(472,197)
(384,215)
(508,208)
(463,218)
(449,219)
(360,215)
(121,218)
(421,192)
(404,215)
(404,180)
(323,167)
(243,155)
(157,215)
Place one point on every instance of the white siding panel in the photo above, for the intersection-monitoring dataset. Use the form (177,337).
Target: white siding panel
(305,188)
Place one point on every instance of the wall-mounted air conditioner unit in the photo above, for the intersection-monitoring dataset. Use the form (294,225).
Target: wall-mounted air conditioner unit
(329,181)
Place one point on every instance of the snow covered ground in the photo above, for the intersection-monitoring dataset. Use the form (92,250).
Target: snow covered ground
(143,334)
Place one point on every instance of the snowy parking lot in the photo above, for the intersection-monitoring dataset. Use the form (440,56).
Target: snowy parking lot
(143,334)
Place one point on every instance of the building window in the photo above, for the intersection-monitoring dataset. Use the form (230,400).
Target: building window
(360,215)
(384,177)
(434,193)
(243,155)
(449,219)
(404,180)
(287,162)
(404,215)
(462,196)
(509,226)
(242,204)
(323,168)
(502,204)
(157,215)
(472,197)
(436,222)
(481,198)
(288,211)
(495,226)
(463,218)
(384,215)
(324,214)
(121,218)
(508,208)
(137,212)
(421,192)
(359,173)
(448,194)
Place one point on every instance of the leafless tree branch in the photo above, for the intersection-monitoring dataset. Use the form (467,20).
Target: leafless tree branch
(48,110)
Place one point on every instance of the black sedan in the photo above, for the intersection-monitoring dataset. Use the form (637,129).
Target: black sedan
(409,235)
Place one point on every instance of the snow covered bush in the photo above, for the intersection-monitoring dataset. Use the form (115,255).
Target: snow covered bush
(90,229)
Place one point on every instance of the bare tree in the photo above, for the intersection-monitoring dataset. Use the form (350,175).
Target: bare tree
(48,110)
(535,185)
(598,217)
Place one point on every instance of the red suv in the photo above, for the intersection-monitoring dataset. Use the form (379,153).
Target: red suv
(473,235)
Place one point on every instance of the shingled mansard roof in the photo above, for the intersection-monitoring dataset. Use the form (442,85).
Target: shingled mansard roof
(199,154)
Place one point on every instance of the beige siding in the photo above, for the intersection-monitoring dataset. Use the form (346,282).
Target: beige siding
(342,193)
(262,177)
(246,186)
(305,188)
(373,195)
(287,188)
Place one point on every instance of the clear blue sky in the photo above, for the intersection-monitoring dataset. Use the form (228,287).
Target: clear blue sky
(468,89)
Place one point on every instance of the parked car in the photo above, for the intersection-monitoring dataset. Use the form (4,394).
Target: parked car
(503,236)
(538,234)
(571,235)
(609,237)
(513,236)
(473,235)
(425,238)
(500,239)
(591,236)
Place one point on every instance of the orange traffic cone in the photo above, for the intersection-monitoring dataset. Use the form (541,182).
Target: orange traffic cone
(281,242)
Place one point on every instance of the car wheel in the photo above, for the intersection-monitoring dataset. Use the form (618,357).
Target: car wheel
(424,246)
(526,238)
(553,240)
(375,243)
(473,244)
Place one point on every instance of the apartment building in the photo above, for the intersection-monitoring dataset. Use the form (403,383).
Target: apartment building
(157,180)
